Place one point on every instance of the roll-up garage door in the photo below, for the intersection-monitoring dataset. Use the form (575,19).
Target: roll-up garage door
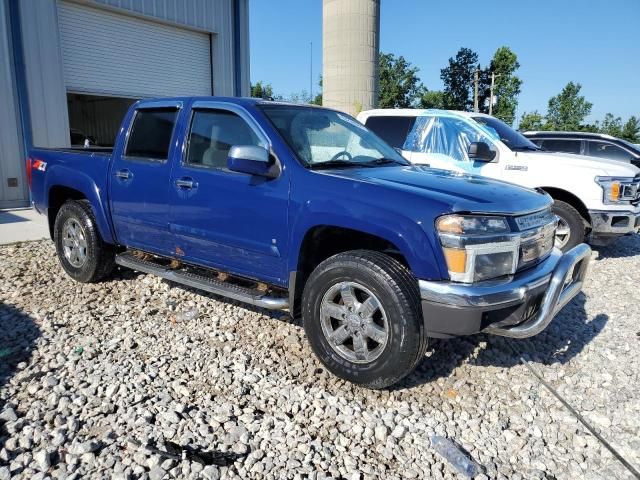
(106,53)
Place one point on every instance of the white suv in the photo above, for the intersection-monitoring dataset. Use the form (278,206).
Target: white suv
(595,199)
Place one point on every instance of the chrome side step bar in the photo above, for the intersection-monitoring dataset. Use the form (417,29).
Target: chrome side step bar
(211,285)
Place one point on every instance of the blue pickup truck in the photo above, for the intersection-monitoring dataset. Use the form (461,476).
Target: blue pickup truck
(303,208)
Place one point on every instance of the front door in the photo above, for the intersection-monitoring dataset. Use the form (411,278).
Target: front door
(139,182)
(224,219)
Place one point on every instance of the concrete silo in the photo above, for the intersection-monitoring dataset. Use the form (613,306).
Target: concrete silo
(351,41)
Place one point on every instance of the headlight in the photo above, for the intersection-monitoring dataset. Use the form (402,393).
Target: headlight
(618,189)
(479,247)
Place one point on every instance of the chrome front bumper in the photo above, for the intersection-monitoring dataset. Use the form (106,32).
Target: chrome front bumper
(519,307)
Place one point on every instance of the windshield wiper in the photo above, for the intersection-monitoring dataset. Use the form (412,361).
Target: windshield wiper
(386,161)
(336,164)
(350,163)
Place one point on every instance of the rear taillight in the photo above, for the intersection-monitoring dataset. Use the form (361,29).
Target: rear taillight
(29,169)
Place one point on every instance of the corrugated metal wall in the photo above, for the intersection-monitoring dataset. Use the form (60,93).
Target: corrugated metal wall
(43,72)
(113,54)
(43,54)
(10,134)
(43,68)
(214,16)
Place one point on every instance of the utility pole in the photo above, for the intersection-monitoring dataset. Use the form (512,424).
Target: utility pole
(311,72)
(493,82)
(476,75)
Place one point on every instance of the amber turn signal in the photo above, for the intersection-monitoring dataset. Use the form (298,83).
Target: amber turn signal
(456,259)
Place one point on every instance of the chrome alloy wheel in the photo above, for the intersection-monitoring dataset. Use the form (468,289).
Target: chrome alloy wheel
(354,322)
(563,233)
(74,243)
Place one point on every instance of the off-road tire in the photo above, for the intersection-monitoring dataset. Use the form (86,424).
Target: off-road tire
(396,289)
(574,220)
(100,256)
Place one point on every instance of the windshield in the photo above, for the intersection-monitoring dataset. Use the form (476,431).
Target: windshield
(633,146)
(321,137)
(510,137)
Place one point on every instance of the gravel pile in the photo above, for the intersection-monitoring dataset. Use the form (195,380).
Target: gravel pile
(96,379)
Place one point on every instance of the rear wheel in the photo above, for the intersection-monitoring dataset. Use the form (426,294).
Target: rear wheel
(363,318)
(571,226)
(81,251)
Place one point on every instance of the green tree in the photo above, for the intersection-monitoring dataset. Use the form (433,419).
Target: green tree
(317,100)
(611,125)
(433,99)
(262,90)
(568,109)
(458,79)
(531,121)
(507,85)
(399,85)
(298,97)
(590,127)
(631,130)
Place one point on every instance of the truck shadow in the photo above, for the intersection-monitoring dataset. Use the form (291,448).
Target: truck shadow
(18,334)
(627,246)
(564,339)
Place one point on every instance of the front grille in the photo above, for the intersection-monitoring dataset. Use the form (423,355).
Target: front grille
(631,191)
(536,241)
(535,220)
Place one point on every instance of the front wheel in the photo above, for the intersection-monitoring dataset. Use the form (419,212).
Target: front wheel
(362,315)
(571,226)
(81,251)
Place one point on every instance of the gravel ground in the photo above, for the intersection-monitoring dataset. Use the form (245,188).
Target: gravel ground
(87,371)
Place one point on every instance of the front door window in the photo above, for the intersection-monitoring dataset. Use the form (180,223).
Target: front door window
(449,136)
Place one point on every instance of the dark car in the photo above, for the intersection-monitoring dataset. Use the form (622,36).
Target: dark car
(585,143)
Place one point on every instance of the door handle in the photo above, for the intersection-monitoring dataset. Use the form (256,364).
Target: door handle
(186,182)
(124,174)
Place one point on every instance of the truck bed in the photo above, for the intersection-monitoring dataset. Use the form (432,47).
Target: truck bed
(74,169)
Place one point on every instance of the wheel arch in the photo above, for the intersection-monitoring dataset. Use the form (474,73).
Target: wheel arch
(325,240)
(571,199)
(59,194)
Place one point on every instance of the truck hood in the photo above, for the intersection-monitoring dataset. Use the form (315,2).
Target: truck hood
(461,191)
(601,166)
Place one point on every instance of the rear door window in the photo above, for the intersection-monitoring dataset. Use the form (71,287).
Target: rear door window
(608,150)
(392,129)
(151,133)
(561,145)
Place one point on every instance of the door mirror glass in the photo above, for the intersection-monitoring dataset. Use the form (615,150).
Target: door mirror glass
(481,152)
(252,160)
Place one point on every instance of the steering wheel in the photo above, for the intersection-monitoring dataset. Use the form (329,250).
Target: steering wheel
(340,154)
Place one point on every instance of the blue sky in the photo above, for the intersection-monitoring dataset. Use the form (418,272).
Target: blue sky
(594,42)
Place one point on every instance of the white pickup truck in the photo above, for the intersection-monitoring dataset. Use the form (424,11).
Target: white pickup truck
(595,199)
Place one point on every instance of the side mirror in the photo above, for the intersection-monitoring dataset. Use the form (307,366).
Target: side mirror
(252,160)
(481,151)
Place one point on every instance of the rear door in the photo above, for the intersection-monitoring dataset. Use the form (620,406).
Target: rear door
(223,219)
(140,178)
(608,150)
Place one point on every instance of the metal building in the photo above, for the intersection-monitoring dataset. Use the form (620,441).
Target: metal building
(351,41)
(70,69)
